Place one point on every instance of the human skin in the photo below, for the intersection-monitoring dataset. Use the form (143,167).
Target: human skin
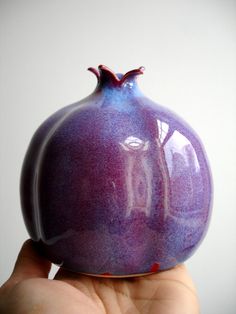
(29,291)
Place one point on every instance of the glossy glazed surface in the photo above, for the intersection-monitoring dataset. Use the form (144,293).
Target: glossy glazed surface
(116,184)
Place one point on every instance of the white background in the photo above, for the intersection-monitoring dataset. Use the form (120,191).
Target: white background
(189,51)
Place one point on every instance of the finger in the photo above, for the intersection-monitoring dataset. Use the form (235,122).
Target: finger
(30,264)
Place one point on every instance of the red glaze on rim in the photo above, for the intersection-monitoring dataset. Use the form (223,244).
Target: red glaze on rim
(155,267)
(106,76)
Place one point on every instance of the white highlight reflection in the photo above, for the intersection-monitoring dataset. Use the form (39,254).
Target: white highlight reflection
(134,143)
(163,130)
(138,175)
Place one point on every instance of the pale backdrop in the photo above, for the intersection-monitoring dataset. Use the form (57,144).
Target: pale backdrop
(189,51)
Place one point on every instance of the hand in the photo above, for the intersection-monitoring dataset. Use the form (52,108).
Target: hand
(29,291)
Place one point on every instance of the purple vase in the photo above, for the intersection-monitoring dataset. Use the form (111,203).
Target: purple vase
(115,184)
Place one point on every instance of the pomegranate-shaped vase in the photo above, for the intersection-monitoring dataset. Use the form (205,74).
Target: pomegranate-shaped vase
(115,184)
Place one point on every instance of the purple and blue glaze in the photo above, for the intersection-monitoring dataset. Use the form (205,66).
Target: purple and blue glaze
(115,184)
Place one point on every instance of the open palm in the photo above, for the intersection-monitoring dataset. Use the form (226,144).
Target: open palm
(29,290)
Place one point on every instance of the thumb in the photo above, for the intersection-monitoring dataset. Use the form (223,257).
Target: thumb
(30,264)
